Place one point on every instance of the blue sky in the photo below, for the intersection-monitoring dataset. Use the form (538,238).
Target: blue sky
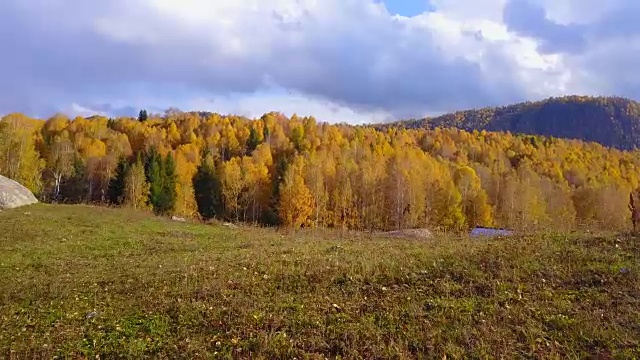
(358,61)
(407,7)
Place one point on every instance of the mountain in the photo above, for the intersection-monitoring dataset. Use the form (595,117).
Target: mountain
(610,121)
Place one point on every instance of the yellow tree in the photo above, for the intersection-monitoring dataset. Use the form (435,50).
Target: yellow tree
(232,184)
(406,188)
(344,213)
(19,159)
(136,188)
(296,201)
(315,178)
(186,159)
(475,202)
(257,181)
(60,161)
(444,201)
(560,208)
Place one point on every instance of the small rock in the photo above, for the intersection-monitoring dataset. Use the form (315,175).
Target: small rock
(91,315)
(179,219)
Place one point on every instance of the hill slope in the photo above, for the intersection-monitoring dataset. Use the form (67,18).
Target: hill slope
(85,281)
(610,121)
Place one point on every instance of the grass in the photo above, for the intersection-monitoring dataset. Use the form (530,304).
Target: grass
(82,282)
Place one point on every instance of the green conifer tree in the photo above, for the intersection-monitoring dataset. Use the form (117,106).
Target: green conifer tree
(207,188)
(169,183)
(116,185)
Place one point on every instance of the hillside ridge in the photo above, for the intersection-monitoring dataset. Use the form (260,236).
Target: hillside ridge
(611,121)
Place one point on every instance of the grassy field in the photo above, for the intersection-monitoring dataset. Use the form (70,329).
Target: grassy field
(77,282)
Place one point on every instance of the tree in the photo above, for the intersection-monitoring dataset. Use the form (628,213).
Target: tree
(76,187)
(143,116)
(475,202)
(185,158)
(136,188)
(19,159)
(296,201)
(60,162)
(232,185)
(117,184)
(254,140)
(155,177)
(170,182)
(162,177)
(359,177)
(315,178)
(207,188)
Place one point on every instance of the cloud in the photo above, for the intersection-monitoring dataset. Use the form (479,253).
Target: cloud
(598,41)
(529,19)
(343,59)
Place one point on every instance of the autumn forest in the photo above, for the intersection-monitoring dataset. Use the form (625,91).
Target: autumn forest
(297,172)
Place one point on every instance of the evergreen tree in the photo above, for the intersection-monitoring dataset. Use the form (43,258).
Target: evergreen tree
(155,177)
(162,178)
(169,183)
(143,116)
(76,188)
(271,216)
(207,188)
(253,141)
(266,134)
(151,156)
(116,185)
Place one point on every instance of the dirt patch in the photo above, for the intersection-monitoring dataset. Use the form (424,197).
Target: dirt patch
(410,234)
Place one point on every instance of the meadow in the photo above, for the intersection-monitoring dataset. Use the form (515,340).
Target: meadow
(91,282)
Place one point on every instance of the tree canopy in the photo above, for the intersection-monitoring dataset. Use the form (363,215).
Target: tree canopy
(276,170)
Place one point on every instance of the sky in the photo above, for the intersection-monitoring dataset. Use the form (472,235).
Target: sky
(356,61)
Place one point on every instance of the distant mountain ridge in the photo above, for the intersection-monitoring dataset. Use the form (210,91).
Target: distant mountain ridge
(610,121)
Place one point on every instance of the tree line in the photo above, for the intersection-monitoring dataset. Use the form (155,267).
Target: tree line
(296,172)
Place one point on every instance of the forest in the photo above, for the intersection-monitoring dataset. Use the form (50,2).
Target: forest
(298,172)
(610,121)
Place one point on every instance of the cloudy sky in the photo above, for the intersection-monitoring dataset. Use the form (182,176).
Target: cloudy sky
(339,60)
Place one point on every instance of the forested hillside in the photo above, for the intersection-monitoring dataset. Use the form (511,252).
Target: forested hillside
(610,121)
(297,172)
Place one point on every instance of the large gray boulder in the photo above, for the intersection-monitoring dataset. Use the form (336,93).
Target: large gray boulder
(13,195)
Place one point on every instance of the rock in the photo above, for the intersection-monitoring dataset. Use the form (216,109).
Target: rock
(411,234)
(14,195)
(179,219)
(91,315)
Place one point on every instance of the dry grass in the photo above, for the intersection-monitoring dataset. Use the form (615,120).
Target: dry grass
(77,281)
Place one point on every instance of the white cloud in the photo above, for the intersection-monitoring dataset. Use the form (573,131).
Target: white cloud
(255,105)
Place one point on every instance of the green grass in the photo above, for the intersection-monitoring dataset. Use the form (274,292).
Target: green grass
(78,281)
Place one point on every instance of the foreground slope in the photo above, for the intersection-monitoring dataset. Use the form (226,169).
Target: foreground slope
(610,121)
(83,281)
